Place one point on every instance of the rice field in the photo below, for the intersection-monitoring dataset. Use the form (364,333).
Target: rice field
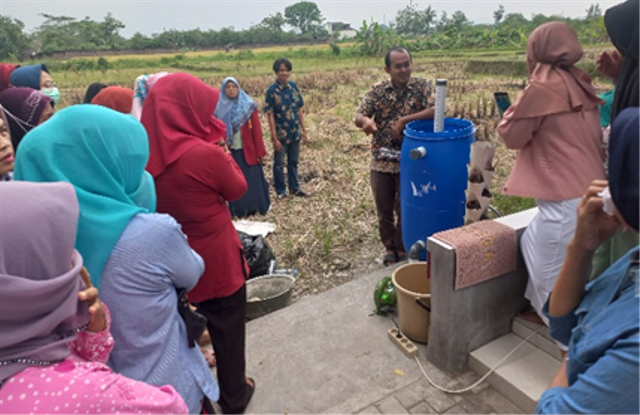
(332,237)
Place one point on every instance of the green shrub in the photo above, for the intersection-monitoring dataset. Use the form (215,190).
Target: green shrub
(245,55)
(102,64)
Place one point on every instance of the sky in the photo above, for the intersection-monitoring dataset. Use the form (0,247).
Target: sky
(154,16)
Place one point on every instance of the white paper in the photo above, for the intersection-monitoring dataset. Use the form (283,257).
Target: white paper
(254,228)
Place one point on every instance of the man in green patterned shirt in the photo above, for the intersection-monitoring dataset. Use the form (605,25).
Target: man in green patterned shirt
(384,113)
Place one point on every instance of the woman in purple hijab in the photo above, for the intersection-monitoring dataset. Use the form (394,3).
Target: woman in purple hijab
(53,326)
(25,109)
(6,150)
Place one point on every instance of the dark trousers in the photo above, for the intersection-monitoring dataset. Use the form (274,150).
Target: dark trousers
(226,325)
(386,194)
(292,151)
(207,407)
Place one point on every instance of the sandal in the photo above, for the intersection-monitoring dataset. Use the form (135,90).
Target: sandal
(403,257)
(389,259)
(300,193)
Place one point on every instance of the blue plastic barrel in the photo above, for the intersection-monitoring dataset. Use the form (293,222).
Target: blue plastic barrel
(433,178)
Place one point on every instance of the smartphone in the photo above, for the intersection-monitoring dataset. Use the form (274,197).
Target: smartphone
(502,101)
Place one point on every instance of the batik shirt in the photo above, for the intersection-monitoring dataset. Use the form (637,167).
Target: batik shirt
(386,106)
(283,101)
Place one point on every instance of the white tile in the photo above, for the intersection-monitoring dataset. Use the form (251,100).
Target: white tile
(532,373)
(520,329)
(523,377)
(490,354)
(541,339)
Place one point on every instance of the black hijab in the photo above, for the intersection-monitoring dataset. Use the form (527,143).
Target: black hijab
(624,167)
(621,22)
(92,91)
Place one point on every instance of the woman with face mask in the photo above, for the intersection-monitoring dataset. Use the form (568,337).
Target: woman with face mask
(36,77)
(25,109)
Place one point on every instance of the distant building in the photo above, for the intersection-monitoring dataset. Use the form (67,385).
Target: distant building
(341,30)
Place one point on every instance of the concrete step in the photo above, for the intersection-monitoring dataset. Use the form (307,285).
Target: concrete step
(541,339)
(524,376)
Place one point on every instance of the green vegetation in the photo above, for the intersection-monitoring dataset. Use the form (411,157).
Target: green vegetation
(420,30)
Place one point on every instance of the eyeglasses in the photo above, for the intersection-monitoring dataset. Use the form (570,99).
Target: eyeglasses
(49,84)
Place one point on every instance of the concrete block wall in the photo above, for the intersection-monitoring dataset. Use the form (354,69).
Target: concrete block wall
(467,319)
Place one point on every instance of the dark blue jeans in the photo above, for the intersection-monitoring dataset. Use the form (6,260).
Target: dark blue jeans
(292,150)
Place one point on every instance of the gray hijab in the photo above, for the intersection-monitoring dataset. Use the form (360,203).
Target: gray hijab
(39,307)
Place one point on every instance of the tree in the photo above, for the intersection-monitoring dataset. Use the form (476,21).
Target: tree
(111,30)
(304,16)
(273,22)
(139,41)
(13,42)
(498,14)
(412,21)
(429,17)
(594,10)
(444,22)
(515,19)
(459,20)
(58,33)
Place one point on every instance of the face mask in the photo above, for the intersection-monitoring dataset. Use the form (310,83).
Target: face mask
(52,93)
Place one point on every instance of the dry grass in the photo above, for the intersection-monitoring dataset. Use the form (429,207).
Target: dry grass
(332,237)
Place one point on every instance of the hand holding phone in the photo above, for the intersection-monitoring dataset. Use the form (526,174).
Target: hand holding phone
(502,102)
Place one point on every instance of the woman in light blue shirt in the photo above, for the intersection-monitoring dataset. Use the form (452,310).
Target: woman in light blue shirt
(136,257)
(600,321)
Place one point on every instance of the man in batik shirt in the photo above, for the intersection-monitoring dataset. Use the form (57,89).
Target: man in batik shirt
(385,111)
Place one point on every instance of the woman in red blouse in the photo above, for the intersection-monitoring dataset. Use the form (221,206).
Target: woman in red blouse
(195,177)
(244,137)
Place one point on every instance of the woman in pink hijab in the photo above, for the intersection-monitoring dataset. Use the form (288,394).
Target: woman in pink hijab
(55,332)
(555,126)
(141,88)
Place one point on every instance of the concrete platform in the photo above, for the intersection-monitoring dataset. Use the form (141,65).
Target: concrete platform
(328,354)
(526,374)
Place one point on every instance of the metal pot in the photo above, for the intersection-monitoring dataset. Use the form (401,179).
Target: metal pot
(267,294)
